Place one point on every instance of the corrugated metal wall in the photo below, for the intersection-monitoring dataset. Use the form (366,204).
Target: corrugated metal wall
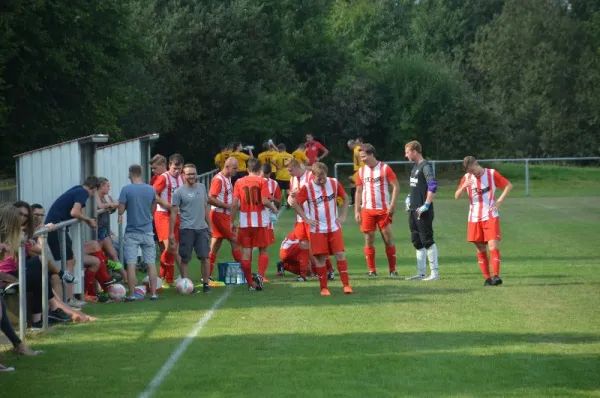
(113,162)
(46,174)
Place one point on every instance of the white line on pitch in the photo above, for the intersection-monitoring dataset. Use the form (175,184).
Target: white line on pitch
(180,350)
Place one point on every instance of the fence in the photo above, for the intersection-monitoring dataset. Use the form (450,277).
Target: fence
(527,162)
(77,239)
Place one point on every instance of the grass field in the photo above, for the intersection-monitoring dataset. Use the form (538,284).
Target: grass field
(536,335)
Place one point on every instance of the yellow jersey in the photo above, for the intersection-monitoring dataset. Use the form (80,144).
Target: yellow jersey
(266,157)
(219,160)
(358,163)
(300,156)
(281,160)
(241,158)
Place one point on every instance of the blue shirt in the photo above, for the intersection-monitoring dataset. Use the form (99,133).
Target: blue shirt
(138,200)
(61,208)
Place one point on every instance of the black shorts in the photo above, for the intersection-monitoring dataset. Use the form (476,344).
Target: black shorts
(54,245)
(284,185)
(421,229)
(193,239)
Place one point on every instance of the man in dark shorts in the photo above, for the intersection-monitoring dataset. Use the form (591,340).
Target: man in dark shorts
(419,205)
(71,205)
(191,202)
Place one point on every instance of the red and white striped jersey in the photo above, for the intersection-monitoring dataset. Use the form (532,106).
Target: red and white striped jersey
(250,191)
(221,187)
(165,185)
(376,182)
(482,192)
(298,183)
(321,201)
(275,193)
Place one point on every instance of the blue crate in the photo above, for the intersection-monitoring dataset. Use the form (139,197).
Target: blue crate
(234,267)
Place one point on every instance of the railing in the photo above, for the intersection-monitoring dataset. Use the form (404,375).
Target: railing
(205,178)
(42,234)
(526,161)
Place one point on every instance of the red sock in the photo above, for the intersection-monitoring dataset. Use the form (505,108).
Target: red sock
(211,259)
(390,252)
(102,276)
(167,258)
(328,264)
(495,256)
(247,268)
(237,255)
(313,268)
(303,259)
(263,264)
(293,268)
(342,267)
(170,272)
(90,280)
(322,272)
(482,258)
(370,255)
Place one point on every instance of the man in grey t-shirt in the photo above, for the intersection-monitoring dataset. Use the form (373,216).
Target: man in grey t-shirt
(191,202)
(139,200)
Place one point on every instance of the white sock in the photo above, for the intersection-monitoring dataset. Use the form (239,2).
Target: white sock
(432,255)
(421,261)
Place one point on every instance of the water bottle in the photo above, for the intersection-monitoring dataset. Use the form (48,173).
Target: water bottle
(273,217)
(239,276)
(228,275)
(407,203)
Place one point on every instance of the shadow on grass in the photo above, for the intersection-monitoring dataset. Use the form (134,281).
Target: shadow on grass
(507,258)
(296,364)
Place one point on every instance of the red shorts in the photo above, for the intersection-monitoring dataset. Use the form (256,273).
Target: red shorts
(254,237)
(271,236)
(327,243)
(371,219)
(290,256)
(161,222)
(301,231)
(221,225)
(484,231)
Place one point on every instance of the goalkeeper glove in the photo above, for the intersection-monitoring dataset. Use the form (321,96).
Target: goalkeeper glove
(425,207)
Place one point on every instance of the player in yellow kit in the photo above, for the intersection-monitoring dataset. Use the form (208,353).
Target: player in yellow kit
(282,175)
(300,154)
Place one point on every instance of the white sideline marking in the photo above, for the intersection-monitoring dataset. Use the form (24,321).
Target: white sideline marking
(180,350)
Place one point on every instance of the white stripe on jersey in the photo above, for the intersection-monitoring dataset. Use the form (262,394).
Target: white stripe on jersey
(299,182)
(225,194)
(376,187)
(272,184)
(167,193)
(322,205)
(482,194)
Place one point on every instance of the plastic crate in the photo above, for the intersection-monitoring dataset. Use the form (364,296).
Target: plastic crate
(223,267)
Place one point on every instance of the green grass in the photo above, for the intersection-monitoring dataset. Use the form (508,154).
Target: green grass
(536,335)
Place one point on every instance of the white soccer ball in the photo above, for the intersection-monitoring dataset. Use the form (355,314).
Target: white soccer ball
(117,291)
(184,286)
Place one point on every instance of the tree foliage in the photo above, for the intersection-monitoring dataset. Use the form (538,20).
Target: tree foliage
(498,77)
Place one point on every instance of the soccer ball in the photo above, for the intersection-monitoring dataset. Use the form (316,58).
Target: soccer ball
(184,286)
(140,292)
(117,291)
(159,284)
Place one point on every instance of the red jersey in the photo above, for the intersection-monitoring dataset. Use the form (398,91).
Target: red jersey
(274,193)
(153,179)
(321,201)
(481,192)
(250,191)
(376,182)
(165,185)
(312,151)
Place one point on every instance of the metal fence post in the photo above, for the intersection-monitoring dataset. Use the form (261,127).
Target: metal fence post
(526,177)
(22,294)
(335,173)
(44,260)
(63,256)
(433,167)
(121,259)
(78,270)
(95,216)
